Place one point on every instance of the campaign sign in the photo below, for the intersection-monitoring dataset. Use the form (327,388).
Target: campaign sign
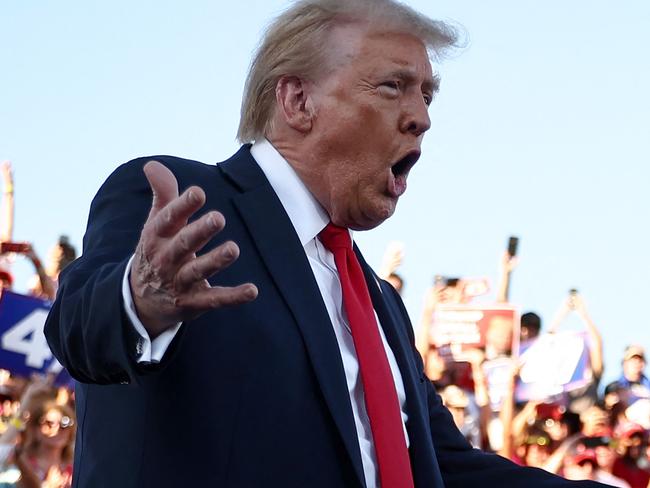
(553,364)
(473,326)
(498,374)
(23,348)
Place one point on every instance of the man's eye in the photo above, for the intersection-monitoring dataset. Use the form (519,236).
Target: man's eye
(427,99)
(390,87)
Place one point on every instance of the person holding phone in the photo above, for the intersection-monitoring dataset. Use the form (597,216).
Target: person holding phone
(45,283)
(583,398)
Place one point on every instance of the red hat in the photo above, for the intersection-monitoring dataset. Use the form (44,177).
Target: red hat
(553,411)
(629,429)
(586,455)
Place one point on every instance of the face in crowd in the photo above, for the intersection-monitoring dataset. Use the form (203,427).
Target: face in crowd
(633,368)
(580,467)
(55,429)
(606,456)
(536,449)
(499,335)
(51,429)
(595,421)
(531,324)
(59,256)
(456,401)
(633,446)
(556,429)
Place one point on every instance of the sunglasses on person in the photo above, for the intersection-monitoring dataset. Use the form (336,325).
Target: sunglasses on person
(65,423)
(537,440)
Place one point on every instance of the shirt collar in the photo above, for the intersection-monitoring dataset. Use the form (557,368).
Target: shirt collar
(306,214)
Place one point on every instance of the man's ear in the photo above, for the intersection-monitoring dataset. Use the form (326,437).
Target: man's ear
(293,105)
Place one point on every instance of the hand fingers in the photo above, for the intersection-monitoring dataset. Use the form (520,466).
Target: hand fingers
(163,184)
(205,266)
(192,238)
(216,297)
(173,217)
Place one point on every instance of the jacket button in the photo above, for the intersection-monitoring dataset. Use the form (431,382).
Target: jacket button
(139,346)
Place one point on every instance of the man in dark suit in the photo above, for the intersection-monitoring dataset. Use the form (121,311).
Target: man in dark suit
(305,375)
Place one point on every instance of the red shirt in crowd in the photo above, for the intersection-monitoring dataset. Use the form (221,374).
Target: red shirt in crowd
(635,476)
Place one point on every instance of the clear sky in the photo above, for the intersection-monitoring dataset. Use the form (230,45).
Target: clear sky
(541,130)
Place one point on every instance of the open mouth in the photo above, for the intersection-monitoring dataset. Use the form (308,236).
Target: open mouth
(404,165)
(400,170)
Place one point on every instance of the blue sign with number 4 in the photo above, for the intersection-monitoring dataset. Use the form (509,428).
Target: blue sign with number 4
(23,348)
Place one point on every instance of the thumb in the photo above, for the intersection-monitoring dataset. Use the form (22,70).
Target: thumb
(163,184)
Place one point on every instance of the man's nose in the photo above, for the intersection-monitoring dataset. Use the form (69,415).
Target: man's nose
(416,118)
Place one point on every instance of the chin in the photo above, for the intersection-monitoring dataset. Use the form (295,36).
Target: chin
(371,218)
(366,214)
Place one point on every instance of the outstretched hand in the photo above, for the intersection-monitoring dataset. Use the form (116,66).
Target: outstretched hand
(169,283)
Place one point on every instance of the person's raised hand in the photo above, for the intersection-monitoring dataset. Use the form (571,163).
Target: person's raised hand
(393,257)
(169,283)
(564,310)
(7,177)
(508,263)
(577,303)
(31,254)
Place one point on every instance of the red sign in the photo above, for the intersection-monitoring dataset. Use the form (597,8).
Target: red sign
(494,328)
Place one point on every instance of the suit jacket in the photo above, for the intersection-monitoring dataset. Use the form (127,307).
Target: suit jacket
(246,396)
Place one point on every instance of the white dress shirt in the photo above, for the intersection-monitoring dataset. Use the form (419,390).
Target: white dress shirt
(308,219)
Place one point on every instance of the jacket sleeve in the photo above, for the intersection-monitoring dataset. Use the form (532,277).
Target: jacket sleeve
(461,465)
(88,329)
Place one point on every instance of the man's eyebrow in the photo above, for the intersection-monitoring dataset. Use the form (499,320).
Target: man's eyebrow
(433,84)
(430,84)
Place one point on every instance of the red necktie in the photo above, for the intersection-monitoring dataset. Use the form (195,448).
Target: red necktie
(378,384)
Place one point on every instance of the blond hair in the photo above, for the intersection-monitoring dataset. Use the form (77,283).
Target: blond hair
(296,44)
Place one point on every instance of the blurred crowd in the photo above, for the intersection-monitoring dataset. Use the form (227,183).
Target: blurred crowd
(597,432)
(593,432)
(37,422)
(37,419)
(44,283)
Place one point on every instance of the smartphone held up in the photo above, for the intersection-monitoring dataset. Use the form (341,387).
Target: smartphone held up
(14,247)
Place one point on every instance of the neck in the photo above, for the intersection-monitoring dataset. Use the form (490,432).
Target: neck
(301,158)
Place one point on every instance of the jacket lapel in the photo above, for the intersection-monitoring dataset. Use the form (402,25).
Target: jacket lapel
(426,472)
(287,263)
